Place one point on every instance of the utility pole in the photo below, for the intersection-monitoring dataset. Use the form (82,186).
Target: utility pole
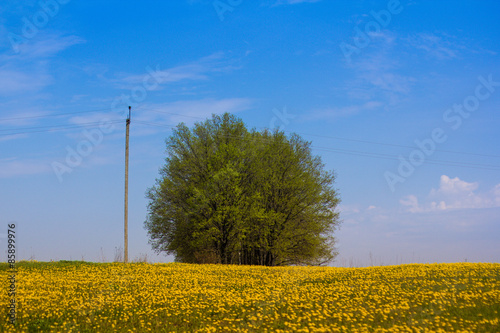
(125,247)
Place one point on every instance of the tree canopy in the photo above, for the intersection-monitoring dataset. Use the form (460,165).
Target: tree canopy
(231,195)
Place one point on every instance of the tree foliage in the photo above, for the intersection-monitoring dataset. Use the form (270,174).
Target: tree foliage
(233,196)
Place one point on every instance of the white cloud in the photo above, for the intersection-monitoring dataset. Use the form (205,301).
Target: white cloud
(454,186)
(453,194)
(496,194)
(411,202)
(392,236)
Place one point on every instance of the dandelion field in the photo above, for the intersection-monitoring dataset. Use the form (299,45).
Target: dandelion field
(139,297)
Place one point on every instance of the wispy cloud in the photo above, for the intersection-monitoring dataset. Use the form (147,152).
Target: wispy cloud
(13,80)
(14,114)
(453,194)
(93,118)
(48,46)
(190,112)
(336,112)
(151,118)
(27,71)
(294,2)
(12,137)
(388,236)
(442,46)
(439,46)
(187,111)
(377,73)
(10,168)
(196,70)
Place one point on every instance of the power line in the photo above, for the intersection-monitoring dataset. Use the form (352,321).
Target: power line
(49,126)
(53,128)
(52,115)
(348,139)
(394,158)
(391,144)
(41,129)
(371,154)
(301,133)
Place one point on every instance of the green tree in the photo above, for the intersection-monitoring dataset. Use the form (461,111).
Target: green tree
(233,196)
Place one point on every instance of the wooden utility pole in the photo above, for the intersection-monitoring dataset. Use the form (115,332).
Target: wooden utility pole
(125,247)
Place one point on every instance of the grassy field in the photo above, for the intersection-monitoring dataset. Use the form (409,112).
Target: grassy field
(90,297)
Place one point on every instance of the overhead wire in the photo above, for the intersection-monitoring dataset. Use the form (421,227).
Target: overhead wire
(52,115)
(372,154)
(391,144)
(52,128)
(346,139)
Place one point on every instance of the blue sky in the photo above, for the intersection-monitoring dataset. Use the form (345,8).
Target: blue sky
(400,98)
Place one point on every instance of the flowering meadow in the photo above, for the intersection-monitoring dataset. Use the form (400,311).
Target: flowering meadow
(140,297)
